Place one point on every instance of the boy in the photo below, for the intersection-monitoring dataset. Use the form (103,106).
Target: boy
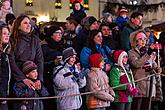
(23,91)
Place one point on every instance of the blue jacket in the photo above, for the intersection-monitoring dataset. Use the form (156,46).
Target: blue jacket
(86,51)
(120,20)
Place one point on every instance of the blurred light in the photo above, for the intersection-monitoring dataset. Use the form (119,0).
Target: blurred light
(43,19)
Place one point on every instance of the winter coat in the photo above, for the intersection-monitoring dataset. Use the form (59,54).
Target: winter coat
(23,91)
(98,80)
(125,36)
(28,48)
(5,72)
(86,51)
(65,84)
(120,21)
(137,62)
(117,77)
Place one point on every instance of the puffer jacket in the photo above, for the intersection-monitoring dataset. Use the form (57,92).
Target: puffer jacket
(64,84)
(98,80)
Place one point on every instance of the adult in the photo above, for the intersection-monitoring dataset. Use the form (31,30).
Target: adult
(5,72)
(94,45)
(134,24)
(142,62)
(25,46)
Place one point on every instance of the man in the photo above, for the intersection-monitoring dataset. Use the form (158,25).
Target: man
(134,24)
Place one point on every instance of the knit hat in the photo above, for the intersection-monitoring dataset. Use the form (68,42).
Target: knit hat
(88,21)
(118,56)
(51,30)
(9,16)
(28,66)
(68,53)
(95,60)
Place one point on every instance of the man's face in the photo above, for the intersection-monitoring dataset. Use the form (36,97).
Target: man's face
(137,20)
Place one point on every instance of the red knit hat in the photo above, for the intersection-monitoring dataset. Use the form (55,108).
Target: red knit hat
(118,55)
(95,60)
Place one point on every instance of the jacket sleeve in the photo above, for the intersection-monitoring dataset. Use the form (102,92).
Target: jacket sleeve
(39,60)
(84,57)
(93,87)
(62,82)
(21,90)
(135,61)
(82,82)
(16,72)
(114,77)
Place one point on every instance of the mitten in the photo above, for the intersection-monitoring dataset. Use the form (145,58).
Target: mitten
(134,92)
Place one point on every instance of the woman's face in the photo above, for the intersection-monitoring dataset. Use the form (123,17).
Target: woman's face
(57,35)
(25,25)
(5,35)
(98,38)
(142,39)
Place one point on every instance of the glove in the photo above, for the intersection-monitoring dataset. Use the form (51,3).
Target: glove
(143,51)
(132,91)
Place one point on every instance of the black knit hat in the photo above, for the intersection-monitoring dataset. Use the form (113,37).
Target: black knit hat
(92,20)
(51,30)
(28,66)
(67,53)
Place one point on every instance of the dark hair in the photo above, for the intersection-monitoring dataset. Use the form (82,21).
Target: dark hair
(90,41)
(73,5)
(16,30)
(72,20)
(103,24)
(136,14)
(1,27)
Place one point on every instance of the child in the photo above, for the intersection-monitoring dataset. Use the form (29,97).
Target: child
(121,74)
(122,18)
(5,72)
(97,80)
(23,91)
(67,81)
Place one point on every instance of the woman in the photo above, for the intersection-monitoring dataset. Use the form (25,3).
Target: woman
(94,45)
(52,51)
(4,65)
(25,46)
(142,62)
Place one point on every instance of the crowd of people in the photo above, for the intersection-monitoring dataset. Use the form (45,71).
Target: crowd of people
(101,57)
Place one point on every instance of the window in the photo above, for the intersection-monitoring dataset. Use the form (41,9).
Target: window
(58,4)
(29,2)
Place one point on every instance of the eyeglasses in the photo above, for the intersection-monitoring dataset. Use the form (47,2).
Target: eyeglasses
(58,33)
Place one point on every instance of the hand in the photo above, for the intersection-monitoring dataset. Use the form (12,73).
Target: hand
(159,70)
(29,83)
(37,84)
(3,102)
(134,92)
(108,67)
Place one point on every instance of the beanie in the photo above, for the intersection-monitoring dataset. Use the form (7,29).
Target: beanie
(92,20)
(95,60)
(28,66)
(118,55)
(67,53)
(51,30)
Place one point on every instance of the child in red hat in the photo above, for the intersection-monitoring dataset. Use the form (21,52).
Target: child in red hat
(97,82)
(121,74)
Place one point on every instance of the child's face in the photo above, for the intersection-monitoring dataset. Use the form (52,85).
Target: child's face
(5,36)
(102,64)
(125,59)
(77,6)
(33,74)
(72,60)
(123,14)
